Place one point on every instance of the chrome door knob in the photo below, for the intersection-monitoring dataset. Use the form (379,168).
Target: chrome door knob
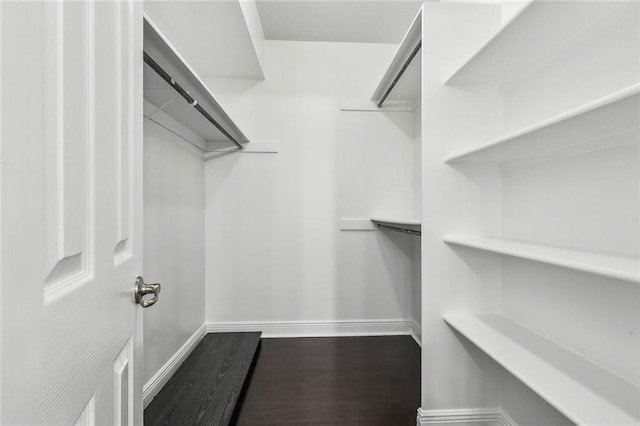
(141,289)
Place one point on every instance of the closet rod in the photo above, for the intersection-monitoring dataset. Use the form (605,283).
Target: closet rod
(400,229)
(166,77)
(399,75)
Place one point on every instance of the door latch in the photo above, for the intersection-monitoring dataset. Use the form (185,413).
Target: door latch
(141,289)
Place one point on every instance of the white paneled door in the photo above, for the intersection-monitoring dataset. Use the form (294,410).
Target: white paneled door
(70,212)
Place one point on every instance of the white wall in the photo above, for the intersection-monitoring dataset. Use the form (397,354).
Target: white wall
(274,251)
(173,243)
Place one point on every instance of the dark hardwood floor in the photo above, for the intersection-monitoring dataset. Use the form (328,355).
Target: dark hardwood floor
(371,381)
(207,387)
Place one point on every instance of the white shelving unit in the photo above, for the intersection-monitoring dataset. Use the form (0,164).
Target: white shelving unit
(401,82)
(584,392)
(521,48)
(621,268)
(559,187)
(399,90)
(605,122)
(397,221)
(163,101)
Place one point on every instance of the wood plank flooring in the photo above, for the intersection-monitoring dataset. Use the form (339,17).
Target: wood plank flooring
(207,386)
(371,381)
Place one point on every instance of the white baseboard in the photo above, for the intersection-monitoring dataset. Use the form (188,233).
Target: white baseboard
(465,417)
(318,328)
(506,420)
(162,376)
(416,332)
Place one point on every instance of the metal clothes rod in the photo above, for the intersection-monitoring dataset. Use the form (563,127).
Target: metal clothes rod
(166,77)
(400,229)
(400,73)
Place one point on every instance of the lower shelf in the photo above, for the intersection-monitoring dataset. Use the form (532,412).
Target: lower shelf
(621,268)
(584,392)
(408,226)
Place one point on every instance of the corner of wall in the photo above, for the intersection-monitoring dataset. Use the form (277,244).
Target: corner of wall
(254,26)
(162,376)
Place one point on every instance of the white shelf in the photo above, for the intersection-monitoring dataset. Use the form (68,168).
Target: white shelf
(160,94)
(621,268)
(397,221)
(408,87)
(521,48)
(409,226)
(584,392)
(608,121)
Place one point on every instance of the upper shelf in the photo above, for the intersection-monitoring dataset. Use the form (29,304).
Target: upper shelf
(408,226)
(622,268)
(158,92)
(520,47)
(608,121)
(584,392)
(402,80)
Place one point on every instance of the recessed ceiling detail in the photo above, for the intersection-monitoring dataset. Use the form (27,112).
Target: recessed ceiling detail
(337,21)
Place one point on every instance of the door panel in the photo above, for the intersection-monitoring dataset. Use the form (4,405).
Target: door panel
(69,145)
(70,216)
(124,75)
(123,386)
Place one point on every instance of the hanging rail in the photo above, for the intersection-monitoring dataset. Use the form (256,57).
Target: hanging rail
(404,67)
(400,229)
(407,228)
(409,47)
(194,103)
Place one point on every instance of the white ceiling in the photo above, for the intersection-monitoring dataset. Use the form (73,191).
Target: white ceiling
(364,21)
(216,38)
